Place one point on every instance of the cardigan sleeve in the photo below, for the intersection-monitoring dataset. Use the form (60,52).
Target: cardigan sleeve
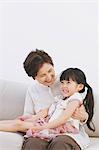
(29,104)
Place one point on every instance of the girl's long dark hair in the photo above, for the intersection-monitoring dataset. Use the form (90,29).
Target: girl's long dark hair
(79,77)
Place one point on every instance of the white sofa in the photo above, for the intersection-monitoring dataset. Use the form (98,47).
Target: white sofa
(12,97)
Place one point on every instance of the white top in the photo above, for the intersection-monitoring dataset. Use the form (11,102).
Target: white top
(59,105)
(39,97)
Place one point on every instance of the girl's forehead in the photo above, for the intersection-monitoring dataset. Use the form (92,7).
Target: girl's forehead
(66,80)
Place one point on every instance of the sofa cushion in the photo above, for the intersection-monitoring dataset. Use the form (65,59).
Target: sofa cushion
(12,97)
(10,141)
(94,145)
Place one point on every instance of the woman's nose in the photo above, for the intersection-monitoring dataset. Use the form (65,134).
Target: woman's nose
(48,77)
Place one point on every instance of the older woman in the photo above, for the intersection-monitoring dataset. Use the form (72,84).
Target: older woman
(45,87)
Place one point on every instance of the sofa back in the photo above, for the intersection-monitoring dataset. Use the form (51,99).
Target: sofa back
(12,98)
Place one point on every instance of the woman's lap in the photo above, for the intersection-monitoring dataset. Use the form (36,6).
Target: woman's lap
(62,142)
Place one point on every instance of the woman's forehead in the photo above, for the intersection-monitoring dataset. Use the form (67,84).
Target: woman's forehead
(45,68)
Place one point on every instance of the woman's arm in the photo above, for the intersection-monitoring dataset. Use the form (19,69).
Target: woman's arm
(41,114)
(80,114)
(61,119)
(30,118)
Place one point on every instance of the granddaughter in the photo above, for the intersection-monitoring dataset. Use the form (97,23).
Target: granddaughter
(73,83)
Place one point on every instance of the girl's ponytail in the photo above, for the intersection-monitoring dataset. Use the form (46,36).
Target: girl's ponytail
(89,106)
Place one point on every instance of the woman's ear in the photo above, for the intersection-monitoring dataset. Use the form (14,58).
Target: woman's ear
(80,87)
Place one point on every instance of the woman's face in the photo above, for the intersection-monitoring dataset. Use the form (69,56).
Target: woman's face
(46,75)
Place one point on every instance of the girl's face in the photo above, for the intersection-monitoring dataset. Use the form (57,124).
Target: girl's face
(46,75)
(68,88)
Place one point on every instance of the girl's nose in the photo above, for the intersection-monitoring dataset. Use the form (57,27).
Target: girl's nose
(64,85)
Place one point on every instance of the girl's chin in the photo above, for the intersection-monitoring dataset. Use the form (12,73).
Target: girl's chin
(65,95)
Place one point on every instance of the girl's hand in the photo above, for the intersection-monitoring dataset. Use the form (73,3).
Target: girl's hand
(25,117)
(36,128)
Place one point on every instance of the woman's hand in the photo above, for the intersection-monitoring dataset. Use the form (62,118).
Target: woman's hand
(80,114)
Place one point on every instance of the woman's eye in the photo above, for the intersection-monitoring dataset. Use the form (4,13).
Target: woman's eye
(42,76)
(50,71)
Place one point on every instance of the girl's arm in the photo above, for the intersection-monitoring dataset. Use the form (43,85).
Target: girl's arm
(62,118)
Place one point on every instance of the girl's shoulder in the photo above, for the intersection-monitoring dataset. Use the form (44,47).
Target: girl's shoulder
(76,96)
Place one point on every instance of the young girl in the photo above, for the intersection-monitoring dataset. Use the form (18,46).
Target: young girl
(58,117)
(59,120)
